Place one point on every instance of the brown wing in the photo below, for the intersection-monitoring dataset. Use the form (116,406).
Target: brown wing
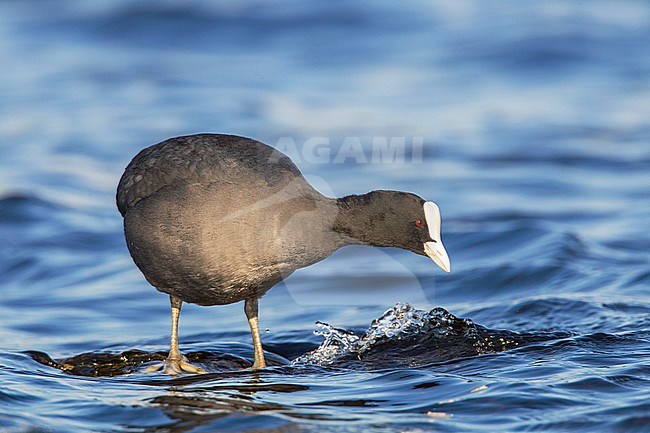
(201,158)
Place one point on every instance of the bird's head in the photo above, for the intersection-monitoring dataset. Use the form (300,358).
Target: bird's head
(397,219)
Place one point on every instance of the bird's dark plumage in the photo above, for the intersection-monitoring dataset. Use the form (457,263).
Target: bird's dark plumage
(201,158)
(215,219)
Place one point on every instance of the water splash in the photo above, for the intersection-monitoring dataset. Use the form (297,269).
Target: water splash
(336,343)
(410,336)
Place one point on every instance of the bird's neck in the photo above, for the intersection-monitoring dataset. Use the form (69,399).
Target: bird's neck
(360,220)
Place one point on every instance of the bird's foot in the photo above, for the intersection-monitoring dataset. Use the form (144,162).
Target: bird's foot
(259,364)
(175,366)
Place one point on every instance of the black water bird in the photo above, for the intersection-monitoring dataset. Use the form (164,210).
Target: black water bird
(215,219)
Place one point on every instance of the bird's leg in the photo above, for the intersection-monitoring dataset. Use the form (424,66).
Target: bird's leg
(175,363)
(250,308)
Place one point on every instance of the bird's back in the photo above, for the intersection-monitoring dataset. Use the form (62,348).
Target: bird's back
(202,158)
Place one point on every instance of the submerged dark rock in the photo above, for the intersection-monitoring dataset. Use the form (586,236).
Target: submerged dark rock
(133,361)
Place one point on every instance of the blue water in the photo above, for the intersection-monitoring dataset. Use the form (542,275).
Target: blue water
(528,123)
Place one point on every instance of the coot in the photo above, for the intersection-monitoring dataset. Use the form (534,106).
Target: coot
(214,219)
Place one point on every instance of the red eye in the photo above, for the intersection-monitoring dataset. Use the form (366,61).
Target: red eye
(418,224)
